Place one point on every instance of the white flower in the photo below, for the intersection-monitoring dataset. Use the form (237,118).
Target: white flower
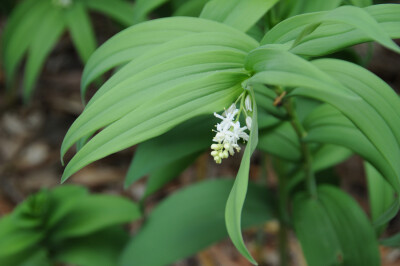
(238,133)
(228,133)
(247,103)
(248,122)
(227,119)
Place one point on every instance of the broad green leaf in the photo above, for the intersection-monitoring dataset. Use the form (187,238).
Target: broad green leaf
(17,43)
(14,19)
(204,96)
(102,248)
(266,120)
(274,66)
(14,240)
(348,237)
(327,125)
(237,196)
(329,155)
(190,137)
(381,194)
(389,214)
(91,214)
(372,89)
(48,30)
(61,198)
(161,176)
(360,3)
(143,7)
(139,39)
(81,30)
(289,8)
(191,220)
(324,157)
(281,141)
(190,8)
(39,257)
(341,27)
(196,74)
(393,241)
(121,11)
(240,14)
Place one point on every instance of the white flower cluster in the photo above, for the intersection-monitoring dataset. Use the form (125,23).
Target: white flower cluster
(62,3)
(229,131)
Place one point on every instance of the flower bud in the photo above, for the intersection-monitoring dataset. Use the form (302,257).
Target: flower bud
(247,103)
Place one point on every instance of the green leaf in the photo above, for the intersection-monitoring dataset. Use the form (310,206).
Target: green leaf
(47,34)
(190,8)
(143,7)
(393,241)
(94,213)
(381,194)
(163,175)
(20,35)
(121,11)
(102,248)
(193,75)
(275,66)
(341,27)
(281,141)
(360,3)
(39,257)
(139,39)
(324,120)
(348,237)
(81,30)
(240,14)
(14,240)
(324,157)
(60,201)
(191,220)
(289,8)
(237,196)
(190,137)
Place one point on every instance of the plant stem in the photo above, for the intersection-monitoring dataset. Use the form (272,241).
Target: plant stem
(305,150)
(283,245)
(283,216)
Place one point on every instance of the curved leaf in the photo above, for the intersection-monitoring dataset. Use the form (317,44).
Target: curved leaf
(188,138)
(381,195)
(275,66)
(143,7)
(83,215)
(240,14)
(361,3)
(289,8)
(237,196)
(172,234)
(21,35)
(281,141)
(341,27)
(47,33)
(81,30)
(190,8)
(194,75)
(139,39)
(98,249)
(161,176)
(121,11)
(348,236)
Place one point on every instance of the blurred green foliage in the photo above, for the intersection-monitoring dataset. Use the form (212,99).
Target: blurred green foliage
(66,224)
